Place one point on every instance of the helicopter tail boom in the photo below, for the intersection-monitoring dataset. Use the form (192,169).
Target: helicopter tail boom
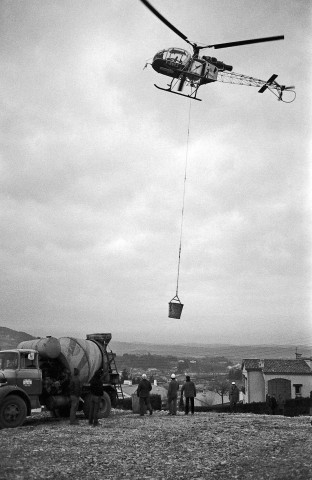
(271,84)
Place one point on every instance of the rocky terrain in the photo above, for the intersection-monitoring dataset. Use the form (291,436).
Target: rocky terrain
(205,446)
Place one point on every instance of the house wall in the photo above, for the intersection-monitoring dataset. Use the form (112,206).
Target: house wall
(305,380)
(255,387)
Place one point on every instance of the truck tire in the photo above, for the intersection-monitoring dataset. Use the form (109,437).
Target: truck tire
(13,412)
(105,406)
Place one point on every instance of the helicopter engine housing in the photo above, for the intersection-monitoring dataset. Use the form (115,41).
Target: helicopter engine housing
(220,65)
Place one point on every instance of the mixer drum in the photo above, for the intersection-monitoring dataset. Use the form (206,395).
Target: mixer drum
(82,354)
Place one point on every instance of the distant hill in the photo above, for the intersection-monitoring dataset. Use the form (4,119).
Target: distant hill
(11,338)
(235,353)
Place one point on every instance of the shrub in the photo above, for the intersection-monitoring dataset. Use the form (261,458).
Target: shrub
(257,408)
(297,406)
(156,401)
(126,403)
(292,408)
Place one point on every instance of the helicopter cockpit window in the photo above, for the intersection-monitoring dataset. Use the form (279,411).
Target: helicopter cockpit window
(177,56)
(8,360)
(159,55)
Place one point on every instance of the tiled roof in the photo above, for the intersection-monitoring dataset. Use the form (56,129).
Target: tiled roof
(285,366)
(252,363)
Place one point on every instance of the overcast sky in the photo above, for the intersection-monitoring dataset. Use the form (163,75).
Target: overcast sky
(92,174)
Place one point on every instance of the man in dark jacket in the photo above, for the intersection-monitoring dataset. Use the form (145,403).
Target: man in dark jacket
(234,396)
(273,404)
(75,392)
(96,390)
(189,390)
(143,392)
(173,395)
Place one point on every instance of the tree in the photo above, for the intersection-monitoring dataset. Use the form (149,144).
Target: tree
(221,386)
(124,375)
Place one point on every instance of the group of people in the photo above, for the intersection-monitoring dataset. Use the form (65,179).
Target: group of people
(187,396)
(188,390)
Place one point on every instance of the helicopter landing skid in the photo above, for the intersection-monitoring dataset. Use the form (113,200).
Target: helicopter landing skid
(177,93)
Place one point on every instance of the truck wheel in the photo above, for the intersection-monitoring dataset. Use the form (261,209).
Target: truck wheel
(105,406)
(13,412)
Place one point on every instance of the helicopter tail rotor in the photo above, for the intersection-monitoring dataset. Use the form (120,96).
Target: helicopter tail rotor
(280,88)
(268,83)
(287,89)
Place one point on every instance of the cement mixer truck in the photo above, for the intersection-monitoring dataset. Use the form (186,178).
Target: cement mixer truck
(37,374)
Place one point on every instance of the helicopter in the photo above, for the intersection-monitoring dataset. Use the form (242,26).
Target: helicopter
(192,70)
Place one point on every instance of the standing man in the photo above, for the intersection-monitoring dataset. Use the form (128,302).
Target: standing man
(143,392)
(268,401)
(273,404)
(189,391)
(96,390)
(234,396)
(173,395)
(75,392)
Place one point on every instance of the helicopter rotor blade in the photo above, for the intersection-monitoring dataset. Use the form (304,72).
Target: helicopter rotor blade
(245,42)
(165,21)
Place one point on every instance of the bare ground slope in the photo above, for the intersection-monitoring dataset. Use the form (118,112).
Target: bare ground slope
(203,446)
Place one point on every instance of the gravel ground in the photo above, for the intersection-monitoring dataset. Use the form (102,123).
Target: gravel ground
(203,446)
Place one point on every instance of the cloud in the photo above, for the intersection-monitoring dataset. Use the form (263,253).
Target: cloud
(92,179)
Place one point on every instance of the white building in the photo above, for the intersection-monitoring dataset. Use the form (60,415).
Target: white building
(285,379)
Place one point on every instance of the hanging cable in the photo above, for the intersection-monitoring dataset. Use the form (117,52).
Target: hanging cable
(184,184)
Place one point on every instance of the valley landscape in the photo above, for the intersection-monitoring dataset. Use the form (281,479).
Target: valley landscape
(10,338)
(207,445)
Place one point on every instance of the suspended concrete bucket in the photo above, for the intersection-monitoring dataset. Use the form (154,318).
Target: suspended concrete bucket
(175,308)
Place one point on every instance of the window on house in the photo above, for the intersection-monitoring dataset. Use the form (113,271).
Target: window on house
(298,387)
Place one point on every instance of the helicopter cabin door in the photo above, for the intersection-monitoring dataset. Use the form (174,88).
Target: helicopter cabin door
(197,69)
(202,71)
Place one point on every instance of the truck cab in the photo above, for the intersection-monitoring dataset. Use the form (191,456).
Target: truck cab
(20,368)
(38,373)
(20,384)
